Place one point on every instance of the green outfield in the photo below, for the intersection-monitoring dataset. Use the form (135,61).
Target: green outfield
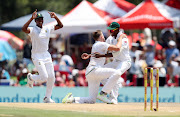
(26,112)
(85,110)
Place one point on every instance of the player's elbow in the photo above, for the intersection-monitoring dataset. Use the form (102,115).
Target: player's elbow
(23,29)
(61,26)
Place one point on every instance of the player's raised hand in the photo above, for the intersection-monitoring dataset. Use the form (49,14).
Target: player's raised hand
(52,14)
(85,56)
(34,15)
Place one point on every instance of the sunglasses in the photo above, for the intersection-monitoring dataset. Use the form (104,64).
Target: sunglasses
(111,31)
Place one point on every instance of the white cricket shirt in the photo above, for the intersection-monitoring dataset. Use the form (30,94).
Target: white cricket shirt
(102,48)
(40,38)
(123,54)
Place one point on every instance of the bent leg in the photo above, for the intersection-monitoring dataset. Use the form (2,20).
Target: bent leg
(40,66)
(93,92)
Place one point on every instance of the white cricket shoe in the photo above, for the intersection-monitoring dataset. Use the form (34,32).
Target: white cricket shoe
(30,82)
(48,100)
(68,98)
(104,98)
(113,101)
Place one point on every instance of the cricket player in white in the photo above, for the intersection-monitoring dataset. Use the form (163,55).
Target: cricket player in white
(121,59)
(40,56)
(95,73)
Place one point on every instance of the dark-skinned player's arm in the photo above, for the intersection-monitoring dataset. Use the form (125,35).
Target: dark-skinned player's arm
(59,25)
(25,27)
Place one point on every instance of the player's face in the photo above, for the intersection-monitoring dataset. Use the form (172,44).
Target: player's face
(114,32)
(102,37)
(39,22)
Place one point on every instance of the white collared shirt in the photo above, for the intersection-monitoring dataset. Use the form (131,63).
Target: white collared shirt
(102,48)
(123,54)
(40,38)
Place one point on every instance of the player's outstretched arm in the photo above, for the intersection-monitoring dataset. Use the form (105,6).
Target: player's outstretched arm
(25,27)
(86,55)
(59,25)
(110,48)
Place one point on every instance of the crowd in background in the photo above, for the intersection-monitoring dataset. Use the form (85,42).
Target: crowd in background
(146,51)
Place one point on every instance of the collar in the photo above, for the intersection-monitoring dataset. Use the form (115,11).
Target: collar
(38,27)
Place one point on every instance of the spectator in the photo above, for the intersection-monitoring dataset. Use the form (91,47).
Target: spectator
(4,73)
(162,72)
(23,78)
(171,53)
(135,70)
(68,60)
(71,82)
(60,82)
(134,52)
(150,53)
(177,36)
(166,36)
(148,36)
(27,51)
(176,67)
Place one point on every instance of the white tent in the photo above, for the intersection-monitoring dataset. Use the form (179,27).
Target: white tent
(18,23)
(116,8)
(84,18)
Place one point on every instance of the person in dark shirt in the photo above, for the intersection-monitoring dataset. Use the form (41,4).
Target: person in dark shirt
(27,51)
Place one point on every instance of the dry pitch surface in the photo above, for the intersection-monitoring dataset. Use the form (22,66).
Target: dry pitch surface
(123,109)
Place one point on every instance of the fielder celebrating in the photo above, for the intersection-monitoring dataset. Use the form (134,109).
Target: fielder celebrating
(40,56)
(121,59)
(95,73)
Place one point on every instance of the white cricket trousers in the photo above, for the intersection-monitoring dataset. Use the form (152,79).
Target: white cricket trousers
(94,76)
(45,68)
(121,67)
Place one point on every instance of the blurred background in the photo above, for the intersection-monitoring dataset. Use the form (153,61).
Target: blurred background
(152,27)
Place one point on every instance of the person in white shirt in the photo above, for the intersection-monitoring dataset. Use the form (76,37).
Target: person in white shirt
(95,72)
(121,59)
(40,56)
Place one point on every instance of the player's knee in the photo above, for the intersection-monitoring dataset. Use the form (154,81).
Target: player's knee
(92,100)
(51,76)
(118,73)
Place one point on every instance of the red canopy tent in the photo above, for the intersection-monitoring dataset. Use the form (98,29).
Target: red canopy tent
(116,8)
(146,14)
(173,3)
(14,41)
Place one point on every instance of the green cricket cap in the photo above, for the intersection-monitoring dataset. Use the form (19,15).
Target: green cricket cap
(39,15)
(113,26)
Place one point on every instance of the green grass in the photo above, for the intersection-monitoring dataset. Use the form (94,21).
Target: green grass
(24,112)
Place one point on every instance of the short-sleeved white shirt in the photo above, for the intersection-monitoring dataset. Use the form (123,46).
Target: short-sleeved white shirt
(40,38)
(102,48)
(123,54)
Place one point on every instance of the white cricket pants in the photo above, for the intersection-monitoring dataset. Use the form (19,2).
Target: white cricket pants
(45,68)
(94,78)
(121,66)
